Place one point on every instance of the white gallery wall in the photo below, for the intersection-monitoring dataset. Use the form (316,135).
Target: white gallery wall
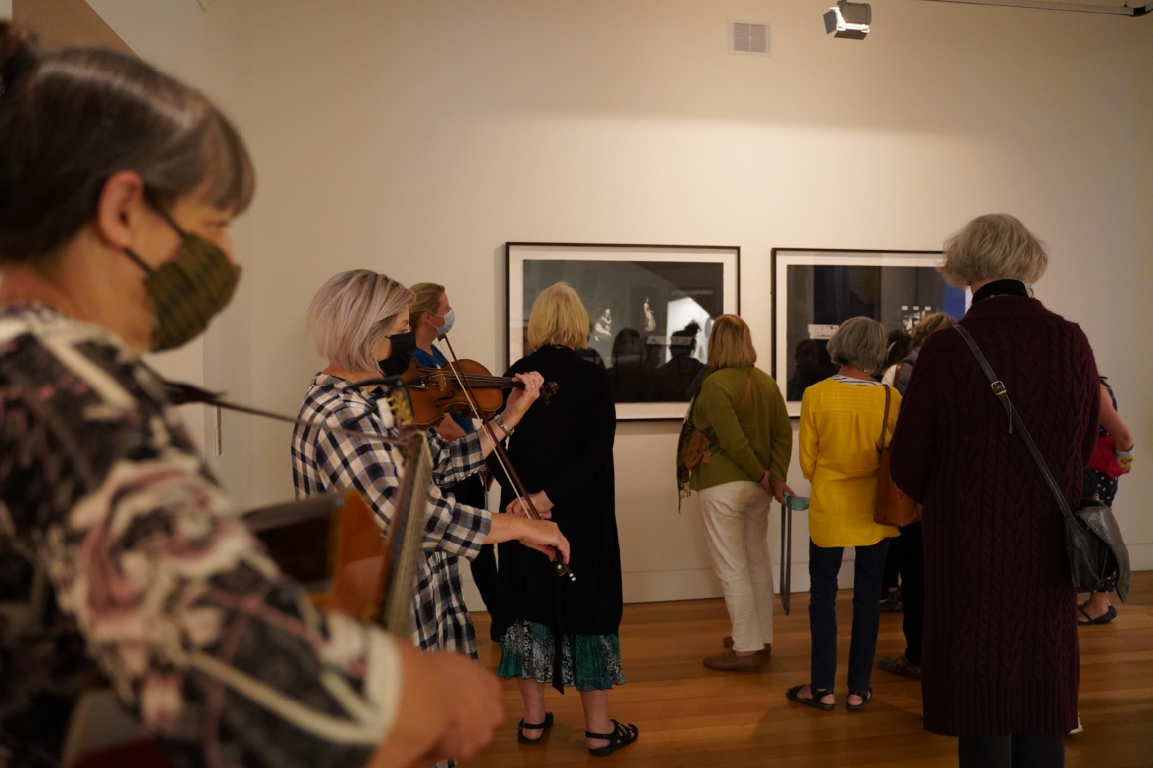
(210,52)
(416,137)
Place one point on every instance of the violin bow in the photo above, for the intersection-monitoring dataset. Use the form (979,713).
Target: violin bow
(518,488)
(180,393)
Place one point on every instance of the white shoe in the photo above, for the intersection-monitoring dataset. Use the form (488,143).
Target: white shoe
(1079,728)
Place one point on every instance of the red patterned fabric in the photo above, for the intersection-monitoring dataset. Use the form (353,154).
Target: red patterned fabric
(1000,648)
(1105,458)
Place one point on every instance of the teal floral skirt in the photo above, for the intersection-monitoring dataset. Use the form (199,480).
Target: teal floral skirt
(588,663)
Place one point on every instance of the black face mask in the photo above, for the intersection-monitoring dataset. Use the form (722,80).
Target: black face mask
(397,361)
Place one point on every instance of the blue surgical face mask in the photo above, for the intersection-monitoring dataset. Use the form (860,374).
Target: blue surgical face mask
(446,326)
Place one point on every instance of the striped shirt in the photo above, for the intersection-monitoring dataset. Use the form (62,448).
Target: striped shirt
(855,382)
(324,462)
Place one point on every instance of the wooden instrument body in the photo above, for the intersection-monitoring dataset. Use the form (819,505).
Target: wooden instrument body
(434,392)
(365,574)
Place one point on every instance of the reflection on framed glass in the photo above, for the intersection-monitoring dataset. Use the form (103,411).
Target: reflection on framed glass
(814,291)
(651,309)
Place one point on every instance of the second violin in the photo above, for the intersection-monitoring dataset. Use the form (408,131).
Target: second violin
(437,391)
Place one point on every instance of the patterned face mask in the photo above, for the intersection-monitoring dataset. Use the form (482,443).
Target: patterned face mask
(188,290)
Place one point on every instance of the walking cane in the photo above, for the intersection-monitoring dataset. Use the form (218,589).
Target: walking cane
(787,552)
(790,502)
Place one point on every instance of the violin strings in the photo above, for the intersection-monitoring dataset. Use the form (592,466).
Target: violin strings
(475,378)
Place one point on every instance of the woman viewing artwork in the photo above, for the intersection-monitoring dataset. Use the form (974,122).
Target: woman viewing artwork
(845,422)
(1000,660)
(742,411)
(906,551)
(1112,458)
(562,632)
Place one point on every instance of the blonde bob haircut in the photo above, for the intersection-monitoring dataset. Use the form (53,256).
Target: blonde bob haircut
(352,314)
(860,342)
(731,344)
(558,317)
(996,246)
(928,325)
(426,300)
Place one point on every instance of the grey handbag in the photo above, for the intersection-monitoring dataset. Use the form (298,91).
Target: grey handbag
(1092,537)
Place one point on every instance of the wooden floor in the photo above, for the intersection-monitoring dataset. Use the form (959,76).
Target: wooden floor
(691,716)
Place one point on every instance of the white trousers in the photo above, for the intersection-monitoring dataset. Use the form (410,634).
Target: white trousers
(736,517)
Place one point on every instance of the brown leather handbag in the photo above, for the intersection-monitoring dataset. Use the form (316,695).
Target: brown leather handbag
(893,506)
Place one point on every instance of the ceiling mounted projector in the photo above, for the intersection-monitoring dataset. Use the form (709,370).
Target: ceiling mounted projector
(850,20)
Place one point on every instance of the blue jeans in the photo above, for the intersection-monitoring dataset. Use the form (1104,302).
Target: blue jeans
(869,570)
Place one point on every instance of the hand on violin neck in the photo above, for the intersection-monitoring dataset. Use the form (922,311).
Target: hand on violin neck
(521,398)
(449,429)
(540,502)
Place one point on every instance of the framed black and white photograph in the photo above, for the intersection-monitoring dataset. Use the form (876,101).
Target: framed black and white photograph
(651,309)
(814,291)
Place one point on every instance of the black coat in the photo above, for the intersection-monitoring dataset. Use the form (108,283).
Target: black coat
(565,448)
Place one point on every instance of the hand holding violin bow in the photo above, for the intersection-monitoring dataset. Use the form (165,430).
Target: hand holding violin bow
(471,386)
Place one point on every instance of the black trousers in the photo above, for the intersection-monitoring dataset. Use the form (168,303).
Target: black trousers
(891,579)
(910,555)
(1019,751)
(471,491)
(824,565)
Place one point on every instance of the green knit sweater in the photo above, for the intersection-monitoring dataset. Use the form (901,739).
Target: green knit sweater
(742,447)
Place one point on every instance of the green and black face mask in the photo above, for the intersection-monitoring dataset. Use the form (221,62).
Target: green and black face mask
(188,290)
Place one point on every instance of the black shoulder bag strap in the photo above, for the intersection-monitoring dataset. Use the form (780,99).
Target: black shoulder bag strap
(1015,421)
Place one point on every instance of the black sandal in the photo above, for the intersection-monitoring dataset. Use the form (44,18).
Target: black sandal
(815,702)
(1104,618)
(866,697)
(523,726)
(621,737)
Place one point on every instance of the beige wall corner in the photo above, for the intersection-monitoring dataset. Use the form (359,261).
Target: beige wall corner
(65,22)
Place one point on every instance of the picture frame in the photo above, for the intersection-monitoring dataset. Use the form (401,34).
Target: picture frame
(647,305)
(821,288)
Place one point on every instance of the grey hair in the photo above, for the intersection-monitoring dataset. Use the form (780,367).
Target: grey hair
(352,314)
(996,246)
(73,118)
(860,342)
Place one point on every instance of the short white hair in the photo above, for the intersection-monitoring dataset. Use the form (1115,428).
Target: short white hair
(352,314)
(860,342)
(996,246)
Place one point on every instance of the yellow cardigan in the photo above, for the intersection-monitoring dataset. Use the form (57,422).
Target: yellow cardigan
(840,432)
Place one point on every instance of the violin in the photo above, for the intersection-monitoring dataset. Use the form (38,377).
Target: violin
(437,391)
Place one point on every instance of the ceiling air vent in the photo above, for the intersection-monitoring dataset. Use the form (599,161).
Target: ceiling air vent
(750,38)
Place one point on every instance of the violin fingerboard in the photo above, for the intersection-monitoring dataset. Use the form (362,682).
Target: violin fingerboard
(406,537)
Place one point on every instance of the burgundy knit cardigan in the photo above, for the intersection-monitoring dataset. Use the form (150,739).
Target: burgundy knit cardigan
(1000,649)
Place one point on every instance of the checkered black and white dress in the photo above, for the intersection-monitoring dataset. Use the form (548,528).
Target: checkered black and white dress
(324,462)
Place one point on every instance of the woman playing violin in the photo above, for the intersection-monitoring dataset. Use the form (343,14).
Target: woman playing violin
(571,481)
(118,548)
(431,317)
(359,321)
